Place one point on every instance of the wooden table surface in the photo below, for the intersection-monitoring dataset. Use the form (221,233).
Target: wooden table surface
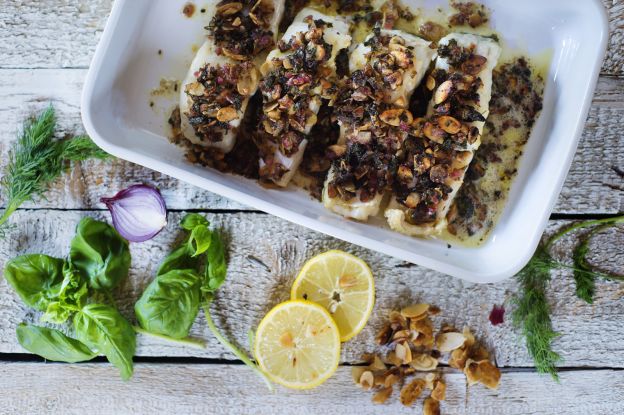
(45,50)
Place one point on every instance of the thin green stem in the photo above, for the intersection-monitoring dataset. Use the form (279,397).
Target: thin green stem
(12,207)
(237,352)
(581,225)
(187,341)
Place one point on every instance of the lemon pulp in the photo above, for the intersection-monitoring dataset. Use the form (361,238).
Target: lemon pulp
(298,344)
(341,283)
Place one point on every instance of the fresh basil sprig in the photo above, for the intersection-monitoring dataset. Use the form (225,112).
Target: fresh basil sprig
(71,290)
(170,303)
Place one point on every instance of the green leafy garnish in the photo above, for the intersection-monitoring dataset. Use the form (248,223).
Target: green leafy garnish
(37,159)
(103,328)
(52,344)
(36,278)
(100,254)
(169,304)
(532,313)
(71,291)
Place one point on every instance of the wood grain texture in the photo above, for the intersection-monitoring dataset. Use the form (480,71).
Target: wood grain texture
(24,92)
(263,265)
(64,33)
(614,61)
(230,389)
(50,33)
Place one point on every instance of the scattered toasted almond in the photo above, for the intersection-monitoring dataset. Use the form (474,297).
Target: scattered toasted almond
(443,92)
(229,8)
(434,133)
(449,124)
(396,116)
(367,380)
(227,114)
(424,362)
(412,391)
(403,352)
(439,390)
(431,407)
(382,395)
(482,372)
(415,311)
(447,342)
(431,83)
(410,335)
(357,372)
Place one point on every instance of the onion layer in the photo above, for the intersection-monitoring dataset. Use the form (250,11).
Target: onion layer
(139,212)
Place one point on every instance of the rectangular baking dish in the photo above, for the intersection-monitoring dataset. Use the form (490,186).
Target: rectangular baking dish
(127,66)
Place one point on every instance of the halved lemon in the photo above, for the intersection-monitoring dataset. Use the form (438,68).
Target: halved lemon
(298,344)
(343,284)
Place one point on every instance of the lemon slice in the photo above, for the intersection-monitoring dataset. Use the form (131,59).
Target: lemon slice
(343,284)
(298,345)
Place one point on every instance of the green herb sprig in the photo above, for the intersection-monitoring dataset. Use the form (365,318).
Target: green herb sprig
(188,279)
(37,159)
(532,313)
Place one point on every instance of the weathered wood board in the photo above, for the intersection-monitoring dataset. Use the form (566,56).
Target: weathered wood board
(262,267)
(64,34)
(232,389)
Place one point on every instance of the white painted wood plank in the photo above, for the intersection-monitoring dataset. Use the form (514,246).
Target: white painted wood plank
(50,33)
(227,389)
(23,92)
(592,335)
(64,34)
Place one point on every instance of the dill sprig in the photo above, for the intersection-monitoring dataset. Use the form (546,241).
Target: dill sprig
(36,160)
(532,311)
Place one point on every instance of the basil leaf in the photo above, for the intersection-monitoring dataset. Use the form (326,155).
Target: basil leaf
(52,344)
(102,328)
(71,297)
(216,270)
(179,259)
(36,278)
(100,254)
(199,240)
(170,303)
(192,220)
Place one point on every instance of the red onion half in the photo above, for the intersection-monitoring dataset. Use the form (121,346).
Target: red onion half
(139,212)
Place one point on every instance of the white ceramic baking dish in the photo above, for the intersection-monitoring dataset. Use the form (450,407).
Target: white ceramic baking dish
(126,67)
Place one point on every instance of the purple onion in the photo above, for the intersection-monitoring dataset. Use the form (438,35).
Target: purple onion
(139,212)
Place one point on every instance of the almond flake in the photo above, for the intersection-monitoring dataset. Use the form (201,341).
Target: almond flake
(415,310)
(412,391)
(367,380)
(382,395)
(448,342)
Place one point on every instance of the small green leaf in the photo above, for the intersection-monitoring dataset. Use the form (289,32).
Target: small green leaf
(100,254)
(36,278)
(71,297)
(170,303)
(52,344)
(216,270)
(180,258)
(192,220)
(102,328)
(199,240)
